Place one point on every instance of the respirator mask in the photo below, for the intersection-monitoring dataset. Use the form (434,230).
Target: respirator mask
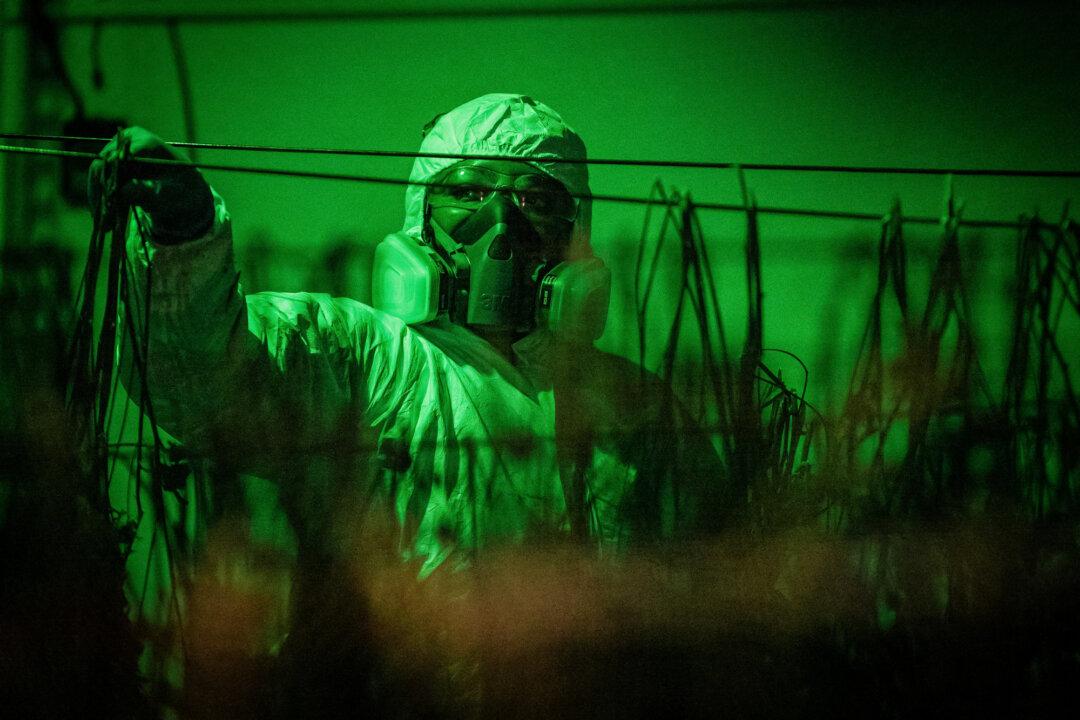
(491,258)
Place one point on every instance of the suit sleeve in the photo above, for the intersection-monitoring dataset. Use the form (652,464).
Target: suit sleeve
(264,381)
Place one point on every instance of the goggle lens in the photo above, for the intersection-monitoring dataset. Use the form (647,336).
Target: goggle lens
(538,196)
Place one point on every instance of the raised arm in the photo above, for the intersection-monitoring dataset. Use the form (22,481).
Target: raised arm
(264,381)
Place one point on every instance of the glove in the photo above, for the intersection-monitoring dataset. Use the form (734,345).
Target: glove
(177,199)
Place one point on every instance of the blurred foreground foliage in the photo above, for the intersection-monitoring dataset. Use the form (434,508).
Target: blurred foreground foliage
(911,553)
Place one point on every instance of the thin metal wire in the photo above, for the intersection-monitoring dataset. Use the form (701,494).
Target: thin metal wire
(689,164)
(313,175)
(453,13)
(183,80)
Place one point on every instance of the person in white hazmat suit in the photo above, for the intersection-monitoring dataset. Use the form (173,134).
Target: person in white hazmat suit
(468,402)
(464,409)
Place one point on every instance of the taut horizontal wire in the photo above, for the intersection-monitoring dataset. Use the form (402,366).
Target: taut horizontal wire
(726,207)
(691,164)
(455,13)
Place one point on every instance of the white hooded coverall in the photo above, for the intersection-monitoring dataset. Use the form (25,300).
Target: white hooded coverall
(428,422)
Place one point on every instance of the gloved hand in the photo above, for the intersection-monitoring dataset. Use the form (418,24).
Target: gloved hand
(177,199)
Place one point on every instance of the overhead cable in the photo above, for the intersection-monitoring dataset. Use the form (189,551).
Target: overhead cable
(456,12)
(315,175)
(689,164)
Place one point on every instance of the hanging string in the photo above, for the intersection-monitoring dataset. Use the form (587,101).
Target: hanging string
(183,80)
(314,175)
(620,162)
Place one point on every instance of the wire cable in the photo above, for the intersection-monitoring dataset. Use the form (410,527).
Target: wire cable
(315,175)
(457,12)
(688,164)
(183,80)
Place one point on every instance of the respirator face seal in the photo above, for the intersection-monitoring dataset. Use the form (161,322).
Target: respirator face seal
(462,191)
(492,257)
(500,226)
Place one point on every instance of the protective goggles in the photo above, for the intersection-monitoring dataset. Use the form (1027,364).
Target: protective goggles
(538,196)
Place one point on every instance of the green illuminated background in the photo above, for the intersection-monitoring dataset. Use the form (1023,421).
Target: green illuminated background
(955,86)
(958,84)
